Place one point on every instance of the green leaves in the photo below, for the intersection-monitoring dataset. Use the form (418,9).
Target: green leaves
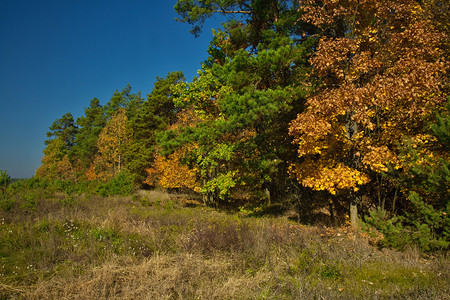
(5,180)
(124,99)
(155,115)
(65,128)
(195,12)
(441,128)
(242,102)
(91,125)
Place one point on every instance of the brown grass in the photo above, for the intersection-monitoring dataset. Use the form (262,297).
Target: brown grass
(152,247)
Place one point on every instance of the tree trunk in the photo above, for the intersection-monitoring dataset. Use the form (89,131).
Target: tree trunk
(331,209)
(354,214)
(267,193)
(352,130)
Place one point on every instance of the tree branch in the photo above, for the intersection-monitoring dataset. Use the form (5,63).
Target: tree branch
(232,11)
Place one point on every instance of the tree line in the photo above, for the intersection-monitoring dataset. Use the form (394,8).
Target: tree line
(341,101)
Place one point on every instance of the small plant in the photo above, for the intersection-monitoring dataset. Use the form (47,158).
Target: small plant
(109,237)
(305,263)
(28,201)
(142,200)
(256,210)
(330,271)
(5,180)
(169,206)
(68,199)
(7,202)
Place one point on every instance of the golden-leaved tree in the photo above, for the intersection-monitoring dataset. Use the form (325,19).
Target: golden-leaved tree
(380,68)
(111,145)
(55,163)
(58,162)
(169,171)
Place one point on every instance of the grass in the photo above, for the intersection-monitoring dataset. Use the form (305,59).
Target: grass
(153,246)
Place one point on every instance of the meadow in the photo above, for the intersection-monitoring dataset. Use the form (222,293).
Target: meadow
(154,245)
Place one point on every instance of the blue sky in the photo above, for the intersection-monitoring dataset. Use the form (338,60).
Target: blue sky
(56,55)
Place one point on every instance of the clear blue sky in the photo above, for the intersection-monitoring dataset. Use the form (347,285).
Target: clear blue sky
(56,55)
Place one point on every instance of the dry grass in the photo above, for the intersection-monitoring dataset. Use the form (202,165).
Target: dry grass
(151,246)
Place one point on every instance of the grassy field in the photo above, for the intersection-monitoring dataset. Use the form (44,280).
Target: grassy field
(152,246)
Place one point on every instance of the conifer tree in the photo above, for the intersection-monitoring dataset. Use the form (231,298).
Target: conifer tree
(91,125)
(244,97)
(155,115)
(66,128)
(58,161)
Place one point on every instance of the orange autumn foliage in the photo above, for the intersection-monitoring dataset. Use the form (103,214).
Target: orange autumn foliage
(381,67)
(170,173)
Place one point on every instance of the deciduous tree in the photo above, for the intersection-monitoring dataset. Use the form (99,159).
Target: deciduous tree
(111,145)
(382,71)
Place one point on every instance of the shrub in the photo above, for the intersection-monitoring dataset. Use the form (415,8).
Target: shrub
(6,202)
(122,184)
(424,226)
(5,180)
(28,201)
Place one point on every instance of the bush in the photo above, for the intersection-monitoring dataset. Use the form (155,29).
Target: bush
(28,201)
(6,202)
(423,226)
(122,184)
(5,180)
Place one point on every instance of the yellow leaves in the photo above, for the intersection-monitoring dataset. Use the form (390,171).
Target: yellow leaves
(377,158)
(111,142)
(422,139)
(56,163)
(323,175)
(380,82)
(91,174)
(417,9)
(170,173)
(317,150)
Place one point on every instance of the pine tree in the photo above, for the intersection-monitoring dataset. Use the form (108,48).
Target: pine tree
(91,125)
(244,97)
(155,115)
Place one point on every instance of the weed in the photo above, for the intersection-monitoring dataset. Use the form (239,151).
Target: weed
(330,271)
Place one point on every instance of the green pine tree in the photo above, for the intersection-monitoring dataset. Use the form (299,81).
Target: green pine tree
(155,115)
